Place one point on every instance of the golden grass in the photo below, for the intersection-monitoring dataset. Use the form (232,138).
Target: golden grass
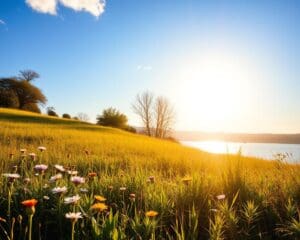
(124,159)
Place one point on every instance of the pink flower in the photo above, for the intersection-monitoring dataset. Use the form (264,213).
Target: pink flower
(77,180)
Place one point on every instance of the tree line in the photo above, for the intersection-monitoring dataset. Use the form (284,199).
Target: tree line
(157,115)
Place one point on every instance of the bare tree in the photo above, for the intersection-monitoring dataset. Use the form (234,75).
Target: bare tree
(157,115)
(28,75)
(143,107)
(164,117)
(83,117)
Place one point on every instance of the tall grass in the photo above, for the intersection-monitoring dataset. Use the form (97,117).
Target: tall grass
(261,197)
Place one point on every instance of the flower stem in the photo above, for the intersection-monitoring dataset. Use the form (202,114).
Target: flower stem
(73,230)
(9,203)
(30,226)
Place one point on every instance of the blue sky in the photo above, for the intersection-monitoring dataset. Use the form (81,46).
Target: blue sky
(228,66)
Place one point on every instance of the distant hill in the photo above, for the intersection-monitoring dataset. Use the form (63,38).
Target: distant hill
(238,137)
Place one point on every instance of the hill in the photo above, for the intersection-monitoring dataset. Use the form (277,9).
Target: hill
(238,137)
(154,189)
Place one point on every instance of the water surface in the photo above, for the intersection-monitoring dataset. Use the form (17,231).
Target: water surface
(261,150)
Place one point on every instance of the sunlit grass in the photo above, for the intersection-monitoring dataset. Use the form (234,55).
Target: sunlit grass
(148,188)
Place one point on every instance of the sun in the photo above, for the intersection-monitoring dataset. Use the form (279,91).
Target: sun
(214,90)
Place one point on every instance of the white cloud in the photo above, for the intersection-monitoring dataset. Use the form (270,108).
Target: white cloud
(2,22)
(43,6)
(94,7)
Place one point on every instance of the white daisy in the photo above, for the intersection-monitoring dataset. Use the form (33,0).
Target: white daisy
(71,200)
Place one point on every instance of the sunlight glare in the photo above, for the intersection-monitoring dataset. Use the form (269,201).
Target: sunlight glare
(215,89)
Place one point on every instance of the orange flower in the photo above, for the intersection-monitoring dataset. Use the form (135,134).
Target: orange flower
(92,174)
(30,203)
(151,214)
(99,207)
(100,198)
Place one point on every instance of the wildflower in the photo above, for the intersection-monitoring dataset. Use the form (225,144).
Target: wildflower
(100,198)
(83,190)
(186,180)
(46,198)
(77,180)
(40,167)
(23,150)
(132,196)
(122,189)
(73,216)
(41,148)
(72,172)
(30,210)
(30,203)
(99,207)
(92,174)
(32,156)
(110,187)
(71,200)
(221,197)
(11,176)
(59,168)
(152,179)
(151,214)
(59,190)
(55,177)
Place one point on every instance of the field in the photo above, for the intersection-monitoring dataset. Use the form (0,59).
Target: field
(153,189)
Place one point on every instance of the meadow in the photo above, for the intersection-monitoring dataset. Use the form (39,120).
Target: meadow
(90,182)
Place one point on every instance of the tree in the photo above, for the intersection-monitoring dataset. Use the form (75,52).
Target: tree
(83,117)
(27,93)
(8,98)
(32,107)
(113,118)
(66,115)
(164,117)
(157,115)
(28,75)
(20,94)
(142,107)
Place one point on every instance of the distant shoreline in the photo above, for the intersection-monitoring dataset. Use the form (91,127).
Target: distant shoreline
(238,137)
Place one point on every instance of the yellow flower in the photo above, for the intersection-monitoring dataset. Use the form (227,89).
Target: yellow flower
(151,213)
(99,207)
(100,198)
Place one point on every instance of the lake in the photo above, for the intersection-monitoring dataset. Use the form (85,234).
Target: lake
(261,150)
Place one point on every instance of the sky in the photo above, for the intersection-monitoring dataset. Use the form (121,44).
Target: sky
(226,66)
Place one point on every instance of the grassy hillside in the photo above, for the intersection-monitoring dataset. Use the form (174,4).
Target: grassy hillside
(261,197)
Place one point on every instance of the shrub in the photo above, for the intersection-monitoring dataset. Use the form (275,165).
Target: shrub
(66,115)
(51,112)
(113,118)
